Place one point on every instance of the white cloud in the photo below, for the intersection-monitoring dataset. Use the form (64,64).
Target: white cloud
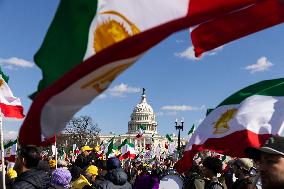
(14,61)
(179,41)
(171,113)
(189,53)
(10,135)
(262,64)
(182,108)
(122,89)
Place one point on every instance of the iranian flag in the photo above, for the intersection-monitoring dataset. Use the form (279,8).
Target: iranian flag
(10,106)
(10,151)
(141,131)
(237,24)
(90,42)
(127,150)
(246,118)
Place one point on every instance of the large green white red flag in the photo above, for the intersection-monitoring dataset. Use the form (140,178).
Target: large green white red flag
(246,118)
(90,42)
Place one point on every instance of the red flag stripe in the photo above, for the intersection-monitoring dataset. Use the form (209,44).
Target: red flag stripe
(217,32)
(11,111)
(232,145)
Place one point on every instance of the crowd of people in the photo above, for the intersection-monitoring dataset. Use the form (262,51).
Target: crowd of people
(266,166)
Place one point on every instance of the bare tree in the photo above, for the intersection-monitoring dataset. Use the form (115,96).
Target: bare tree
(81,131)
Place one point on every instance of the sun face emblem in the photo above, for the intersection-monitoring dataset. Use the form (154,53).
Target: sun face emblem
(112,31)
(1,82)
(221,126)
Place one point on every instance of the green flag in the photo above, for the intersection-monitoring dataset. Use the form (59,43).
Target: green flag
(4,76)
(169,138)
(191,130)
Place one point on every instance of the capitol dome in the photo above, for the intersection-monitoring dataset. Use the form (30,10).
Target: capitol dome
(143,114)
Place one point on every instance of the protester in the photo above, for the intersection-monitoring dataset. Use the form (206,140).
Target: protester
(144,180)
(116,178)
(271,162)
(211,166)
(83,160)
(28,176)
(60,179)
(242,167)
(194,178)
(91,174)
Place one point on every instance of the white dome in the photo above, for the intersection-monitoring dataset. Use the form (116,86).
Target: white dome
(142,114)
(143,106)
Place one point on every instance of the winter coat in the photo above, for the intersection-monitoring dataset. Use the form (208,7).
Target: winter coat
(83,161)
(32,179)
(146,181)
(115,179)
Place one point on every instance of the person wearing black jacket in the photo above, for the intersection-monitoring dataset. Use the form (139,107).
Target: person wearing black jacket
(116,178)
(29,177)
(84,159)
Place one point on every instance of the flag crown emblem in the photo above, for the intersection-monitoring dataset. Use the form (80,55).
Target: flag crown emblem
(112,31)
(221,126)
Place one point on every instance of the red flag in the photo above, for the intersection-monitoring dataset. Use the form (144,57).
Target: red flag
(235,25)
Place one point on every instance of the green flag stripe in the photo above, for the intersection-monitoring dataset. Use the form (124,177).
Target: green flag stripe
(273,87)
(10,144)
(65,43)
(4,76)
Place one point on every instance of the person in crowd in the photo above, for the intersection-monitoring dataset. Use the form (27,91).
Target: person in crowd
(60,179)
(194,178)
(10,178)
(84,159)
(271,162)
(242,167)
(102,171)
(116,178)
(211,166)
(91,174)
(28,176)
(43,165)
(156,171)
(144,180)
(62,163)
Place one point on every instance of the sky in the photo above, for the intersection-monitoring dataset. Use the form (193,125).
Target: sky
(178,86)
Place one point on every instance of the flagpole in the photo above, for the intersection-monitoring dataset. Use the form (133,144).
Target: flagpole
(2,152)
(55,152)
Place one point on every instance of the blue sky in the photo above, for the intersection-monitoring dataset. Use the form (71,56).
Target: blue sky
(177,85)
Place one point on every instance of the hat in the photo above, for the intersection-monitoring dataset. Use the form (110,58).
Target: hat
(86,148)
(274,145)
(12,173)
(92,170)
(52,163)
(61,177)
(113,163)
(244,163)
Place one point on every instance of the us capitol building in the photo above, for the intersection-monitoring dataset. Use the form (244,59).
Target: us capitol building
(142,114)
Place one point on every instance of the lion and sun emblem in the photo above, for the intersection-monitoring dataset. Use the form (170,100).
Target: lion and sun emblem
(221,125)
(112,31)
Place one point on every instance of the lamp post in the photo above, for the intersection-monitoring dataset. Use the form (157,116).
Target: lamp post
(179,127)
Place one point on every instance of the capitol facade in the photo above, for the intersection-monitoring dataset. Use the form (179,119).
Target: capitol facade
(142,114)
